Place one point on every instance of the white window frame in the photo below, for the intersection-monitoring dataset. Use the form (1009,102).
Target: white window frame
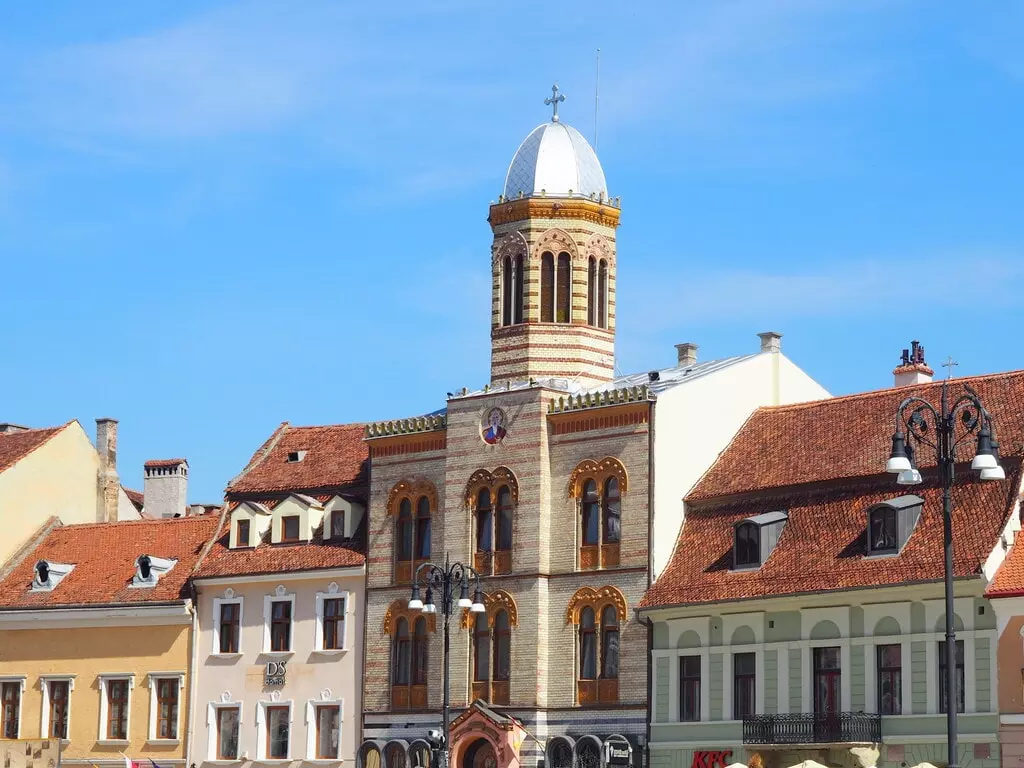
(20,679)
(44,722)
(281,595)
(332,593)
(212,713)
(261,730)
(217,603)
(105,678)
(153,683)
(312,705)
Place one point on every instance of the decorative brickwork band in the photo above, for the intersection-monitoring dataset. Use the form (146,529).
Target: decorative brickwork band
(400,609)
(492,481)
(495,602)
(597,599)
(412,490)
(599,472)
(555,241)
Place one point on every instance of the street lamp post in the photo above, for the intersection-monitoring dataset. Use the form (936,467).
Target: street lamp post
(920,422)
(442,582)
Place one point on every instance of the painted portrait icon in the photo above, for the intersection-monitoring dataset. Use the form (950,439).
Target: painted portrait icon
(494,426)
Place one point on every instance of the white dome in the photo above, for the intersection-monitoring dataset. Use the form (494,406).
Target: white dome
(557,161)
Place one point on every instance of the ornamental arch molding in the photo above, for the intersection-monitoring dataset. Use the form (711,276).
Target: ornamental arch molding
(599,471)
(492,481)
(512,245)
(588,597)
(495,603)
(599,247)
(400,610)
(412,490)
(555,241)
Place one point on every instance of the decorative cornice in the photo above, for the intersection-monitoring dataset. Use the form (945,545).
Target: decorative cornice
(412,490)
(593,211)
(398,610)
(495,602)
(491,481)
(600,399)
(599,471)
(597,599)
(406,426)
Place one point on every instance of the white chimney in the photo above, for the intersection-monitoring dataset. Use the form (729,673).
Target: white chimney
(912,368)
(771,341)
(686,354)
(108,485)
(166,488)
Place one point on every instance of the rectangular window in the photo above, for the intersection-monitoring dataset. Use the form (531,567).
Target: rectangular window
(277,733)
(890,679)
(117,709)
(227,733)
(10,694)
(689,688)
(328,731)
(338,524)
(827,676)
(959,676)
(281,625)
(334,623)
(744,677)
(58,692)
(167,708)
(229,627)
(242,533)
(290,528)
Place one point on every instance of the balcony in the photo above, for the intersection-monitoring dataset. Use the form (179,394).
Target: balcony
(804,728)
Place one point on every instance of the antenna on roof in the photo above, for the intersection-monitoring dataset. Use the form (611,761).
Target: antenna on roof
(597,91)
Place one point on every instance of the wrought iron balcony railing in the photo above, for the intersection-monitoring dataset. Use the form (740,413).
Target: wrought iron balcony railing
(805,728)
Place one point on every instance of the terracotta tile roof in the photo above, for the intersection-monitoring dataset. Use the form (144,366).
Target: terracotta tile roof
(104,558)
(823,543)
(336,457)
(15,446)
(164,462)
(280,558)
(844,437)
(1009,579)
(137,498)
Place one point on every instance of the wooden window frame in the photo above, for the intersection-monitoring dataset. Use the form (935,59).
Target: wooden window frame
(336,515)
(317,711)
(411,694)
(283,621)
(603,552)
(59,708)
(241,524)
(494,560)
(219,724)
(334,624)
(11,705)
(269,712)
(547,287)
(235,626)
(420,518)
(891,674)
(117,724)
(171,721)
(563,288)
(285,521)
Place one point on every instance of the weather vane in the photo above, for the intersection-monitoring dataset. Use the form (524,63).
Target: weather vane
(553,102)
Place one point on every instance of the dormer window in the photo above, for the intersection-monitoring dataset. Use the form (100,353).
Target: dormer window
(754,539)
(49,574)
(296,456)
(290,528)
(891,523)
(149,569)
(242,533)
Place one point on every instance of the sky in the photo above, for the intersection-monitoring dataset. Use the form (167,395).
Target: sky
(218,216)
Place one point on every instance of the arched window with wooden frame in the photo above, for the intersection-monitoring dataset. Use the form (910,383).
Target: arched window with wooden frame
(602,294)
(410,655)
(598,486)
(547,287)
(412,504)
(507,290)
(563,289)
(492,497)
(592,291)
(491,647)
(598,615)
(519,280)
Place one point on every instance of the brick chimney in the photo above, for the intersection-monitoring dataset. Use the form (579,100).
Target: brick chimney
(686,354)
(108,485)
(771,341)
(166,488)
(912,368)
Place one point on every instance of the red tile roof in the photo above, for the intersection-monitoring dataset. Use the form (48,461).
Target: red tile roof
(104,557)
(164,462)
(336,457)
(137,498)
(823,543)
(14,446)
(279,558)
(844,437)
(1009,579)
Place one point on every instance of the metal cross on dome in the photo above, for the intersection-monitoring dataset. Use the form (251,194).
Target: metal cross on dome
(553,102)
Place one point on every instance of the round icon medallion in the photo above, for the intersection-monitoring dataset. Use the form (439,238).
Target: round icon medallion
(493,427)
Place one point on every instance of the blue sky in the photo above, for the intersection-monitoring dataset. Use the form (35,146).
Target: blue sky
(218,216)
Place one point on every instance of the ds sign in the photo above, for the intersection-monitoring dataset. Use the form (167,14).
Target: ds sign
(706,759)
(274,673)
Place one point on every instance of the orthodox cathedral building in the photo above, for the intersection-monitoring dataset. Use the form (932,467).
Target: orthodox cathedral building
(559,482)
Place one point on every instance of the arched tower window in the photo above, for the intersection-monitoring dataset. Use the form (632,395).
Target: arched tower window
(547,288)
(502,650)
(519,280)
(599,486)
(592,291)
(588,645)
(611,512)
(507,290)
(420,652)
(609,644)
(598,614)
(404,541)
(481,656)
(563,285)
(492,500)
(409,655)
(412,504)
(401,657)
(491,647)
(602,295)
(484,518)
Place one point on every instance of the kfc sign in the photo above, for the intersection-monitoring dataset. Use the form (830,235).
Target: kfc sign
(705,759)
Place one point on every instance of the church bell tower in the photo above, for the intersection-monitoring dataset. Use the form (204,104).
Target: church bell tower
(553,261)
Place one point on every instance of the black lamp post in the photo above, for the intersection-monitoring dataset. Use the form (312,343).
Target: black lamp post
(926,425)
(442,582)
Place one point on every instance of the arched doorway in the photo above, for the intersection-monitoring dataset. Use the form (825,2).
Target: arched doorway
(479,754)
